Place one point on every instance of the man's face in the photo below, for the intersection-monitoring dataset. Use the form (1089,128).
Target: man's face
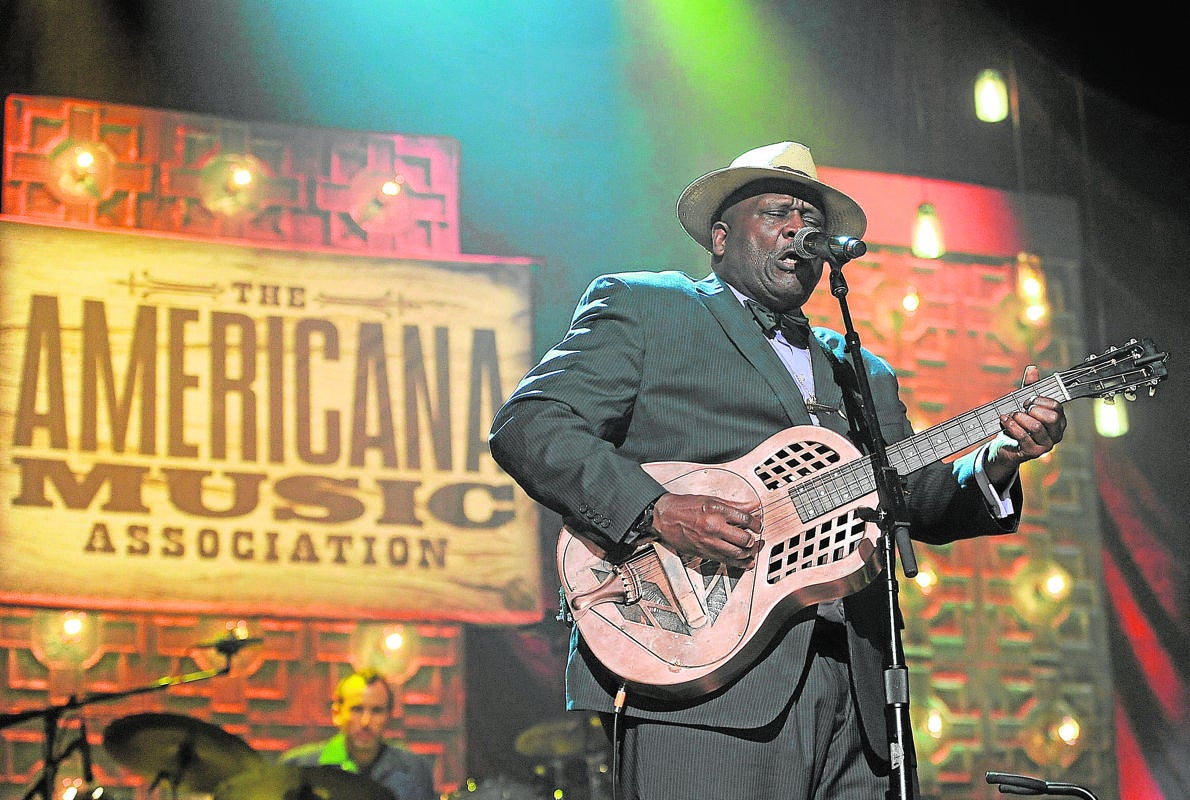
(753,248)
(361,714)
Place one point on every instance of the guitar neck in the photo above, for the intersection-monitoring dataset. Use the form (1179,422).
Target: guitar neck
(831,488)
(955,435)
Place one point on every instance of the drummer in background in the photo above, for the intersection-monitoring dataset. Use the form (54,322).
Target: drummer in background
(362,707)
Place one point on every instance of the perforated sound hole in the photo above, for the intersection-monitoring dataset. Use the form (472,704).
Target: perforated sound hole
(795,460)
(818,545)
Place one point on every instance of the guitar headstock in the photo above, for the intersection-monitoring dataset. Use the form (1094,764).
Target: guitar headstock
(1119,370)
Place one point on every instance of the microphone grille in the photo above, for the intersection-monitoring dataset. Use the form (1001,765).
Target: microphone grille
(799,241)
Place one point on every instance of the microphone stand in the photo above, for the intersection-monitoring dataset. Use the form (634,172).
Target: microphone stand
(52,715)
(892,517)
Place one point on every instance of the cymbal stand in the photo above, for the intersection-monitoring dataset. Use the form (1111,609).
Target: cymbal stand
(51,717)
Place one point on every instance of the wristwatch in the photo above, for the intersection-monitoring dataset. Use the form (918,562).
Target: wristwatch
(644,521)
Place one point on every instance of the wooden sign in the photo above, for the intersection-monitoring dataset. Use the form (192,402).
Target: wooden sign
(229,428)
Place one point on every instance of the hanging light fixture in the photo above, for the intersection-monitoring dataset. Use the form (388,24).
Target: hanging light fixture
(1031,289)
(927,233)
(991,96)
(1111,418)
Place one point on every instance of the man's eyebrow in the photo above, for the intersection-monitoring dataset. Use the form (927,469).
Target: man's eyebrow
(796,204)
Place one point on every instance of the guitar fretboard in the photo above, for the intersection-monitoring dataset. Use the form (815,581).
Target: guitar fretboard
(831,488)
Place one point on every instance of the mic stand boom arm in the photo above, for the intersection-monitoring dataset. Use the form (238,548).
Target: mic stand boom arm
(892,517)
(51,715)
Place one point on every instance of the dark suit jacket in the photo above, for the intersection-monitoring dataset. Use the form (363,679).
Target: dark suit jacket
(659,367)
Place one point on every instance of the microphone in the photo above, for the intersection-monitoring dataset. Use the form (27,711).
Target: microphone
(1017,784)
(1024,784)
(230,644)
(810,242)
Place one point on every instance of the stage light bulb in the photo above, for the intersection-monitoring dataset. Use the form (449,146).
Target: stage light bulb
(233,183)
(1068,730)
(394,640)
(1031,289)
(927,233)
(377,199)
(911,301)
(1036,312)
(1057,584)
(934,723)
(926,580)
(991,96)
(82,173)
(241,177)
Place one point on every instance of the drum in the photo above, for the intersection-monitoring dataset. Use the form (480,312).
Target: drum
(498,788)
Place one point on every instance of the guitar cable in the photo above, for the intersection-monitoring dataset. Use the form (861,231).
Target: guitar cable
(617,734)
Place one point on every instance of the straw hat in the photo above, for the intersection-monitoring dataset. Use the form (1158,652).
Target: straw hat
(789,162)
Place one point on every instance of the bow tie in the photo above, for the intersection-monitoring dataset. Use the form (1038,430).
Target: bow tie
(793,324)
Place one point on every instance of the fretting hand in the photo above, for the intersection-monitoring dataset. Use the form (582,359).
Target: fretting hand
(1025,435)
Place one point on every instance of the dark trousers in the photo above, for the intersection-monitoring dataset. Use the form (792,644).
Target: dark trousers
(813,750)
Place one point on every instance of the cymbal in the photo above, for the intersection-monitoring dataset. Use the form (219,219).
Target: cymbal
(186,752)
(288,782)
(558,738)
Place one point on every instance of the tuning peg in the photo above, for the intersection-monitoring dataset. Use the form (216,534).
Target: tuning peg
(1129,394)
(1152,390)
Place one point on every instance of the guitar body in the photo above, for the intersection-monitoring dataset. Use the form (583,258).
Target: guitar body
(679,627)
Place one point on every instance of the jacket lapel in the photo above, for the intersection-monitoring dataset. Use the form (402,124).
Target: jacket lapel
(826,389)
(742,330)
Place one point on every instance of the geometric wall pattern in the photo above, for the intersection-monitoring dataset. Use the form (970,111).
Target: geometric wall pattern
(169,171)
(1000,670)
(277,694)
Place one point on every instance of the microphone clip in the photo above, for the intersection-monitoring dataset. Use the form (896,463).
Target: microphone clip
(229,644)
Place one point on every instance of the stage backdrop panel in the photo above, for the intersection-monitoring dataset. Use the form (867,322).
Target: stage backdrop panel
(195,174)
(216,427)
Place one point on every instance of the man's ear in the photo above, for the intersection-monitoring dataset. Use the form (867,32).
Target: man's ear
(719,231)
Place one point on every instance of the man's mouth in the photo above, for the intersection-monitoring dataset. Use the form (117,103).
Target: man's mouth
(788,260)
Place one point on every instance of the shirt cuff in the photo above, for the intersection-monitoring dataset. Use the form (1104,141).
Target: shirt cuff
(999,503)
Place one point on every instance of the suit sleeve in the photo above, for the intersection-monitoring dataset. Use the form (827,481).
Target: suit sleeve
(557,435)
